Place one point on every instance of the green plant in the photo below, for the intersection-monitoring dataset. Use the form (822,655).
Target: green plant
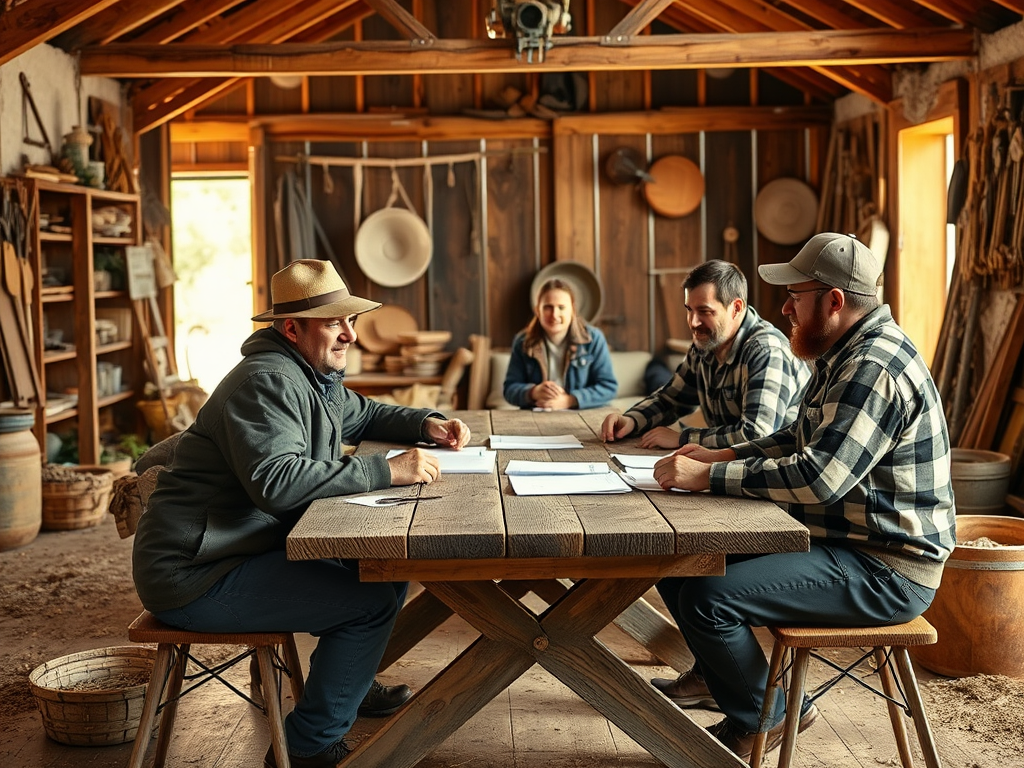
(133,446)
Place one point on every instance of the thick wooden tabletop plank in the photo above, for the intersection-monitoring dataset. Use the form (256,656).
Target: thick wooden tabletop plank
(707,523)
(467,523)
(333,528)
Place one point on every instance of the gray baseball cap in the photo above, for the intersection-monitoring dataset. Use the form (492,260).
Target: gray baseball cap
(841,261)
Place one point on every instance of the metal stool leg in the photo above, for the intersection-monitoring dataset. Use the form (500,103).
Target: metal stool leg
(924,731)
(154,692)
(794,701)
(770,691)
(899,729)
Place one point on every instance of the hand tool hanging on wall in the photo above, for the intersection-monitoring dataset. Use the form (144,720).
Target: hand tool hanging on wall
(20,363)
(26,98)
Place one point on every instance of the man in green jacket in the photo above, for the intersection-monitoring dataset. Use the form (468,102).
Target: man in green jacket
(209,553)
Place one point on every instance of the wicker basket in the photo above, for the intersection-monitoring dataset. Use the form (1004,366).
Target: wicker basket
(78,504)
(108,709)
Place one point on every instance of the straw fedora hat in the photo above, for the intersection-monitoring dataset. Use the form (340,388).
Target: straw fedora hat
(312,288)
(585,285)
(393,247)
(786,211)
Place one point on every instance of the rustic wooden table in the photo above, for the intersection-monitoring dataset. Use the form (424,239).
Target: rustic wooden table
(592,557)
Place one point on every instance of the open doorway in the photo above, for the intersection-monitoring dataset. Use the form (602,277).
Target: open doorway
(927,247)
(213,261)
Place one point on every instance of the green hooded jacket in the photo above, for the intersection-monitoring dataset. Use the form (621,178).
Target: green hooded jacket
(267,443)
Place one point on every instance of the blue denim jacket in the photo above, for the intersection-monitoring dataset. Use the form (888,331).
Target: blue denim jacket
(588,371)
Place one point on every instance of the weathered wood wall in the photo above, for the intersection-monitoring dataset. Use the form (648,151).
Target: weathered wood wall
(499,223)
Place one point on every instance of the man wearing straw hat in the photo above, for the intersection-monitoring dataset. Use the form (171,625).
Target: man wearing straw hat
(209,553)
(865,466)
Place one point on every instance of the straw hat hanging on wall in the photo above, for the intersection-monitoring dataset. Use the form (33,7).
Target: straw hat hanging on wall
(586,286)
(786,211)
(393,246)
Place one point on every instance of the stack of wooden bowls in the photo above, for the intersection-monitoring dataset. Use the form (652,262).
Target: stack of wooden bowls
(422,352)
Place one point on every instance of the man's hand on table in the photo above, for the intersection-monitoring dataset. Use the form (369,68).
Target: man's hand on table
(660,437)
(414,466)
(689,468)
(452,433)
(616,426)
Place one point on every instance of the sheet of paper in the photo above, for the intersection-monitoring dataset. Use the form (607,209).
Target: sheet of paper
(643,480)
(557,485)
(634,461)
(518,467)
(534,442)
(468,461)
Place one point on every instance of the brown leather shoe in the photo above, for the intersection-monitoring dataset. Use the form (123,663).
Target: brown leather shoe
(742,743)
(687,690)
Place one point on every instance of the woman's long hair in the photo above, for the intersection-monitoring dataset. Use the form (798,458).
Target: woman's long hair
(577,329)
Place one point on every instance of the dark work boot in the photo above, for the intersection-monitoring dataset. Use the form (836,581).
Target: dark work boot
(383,700)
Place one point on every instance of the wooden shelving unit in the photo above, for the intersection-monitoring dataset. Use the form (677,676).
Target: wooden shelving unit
(65,297)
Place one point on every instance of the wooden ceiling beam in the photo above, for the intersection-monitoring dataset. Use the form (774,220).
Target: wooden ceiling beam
(946,8)
(26,25)
(170,98)
(113,23)
(190,15)
(1017,6)
(761,49)
(753,16)
(894,14)
(638,18)
(803,79)
(407,25)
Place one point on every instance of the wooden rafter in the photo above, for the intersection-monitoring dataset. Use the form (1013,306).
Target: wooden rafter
(191,15)
(28,24)
(259,26)
(1017,6)
(951,10)
(407,25)
(859,49)
(114,22)
(895,13)
(162,102)
(754,16)
(803,79)
(638,18)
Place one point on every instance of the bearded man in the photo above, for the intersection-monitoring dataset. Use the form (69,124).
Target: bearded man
(739,371)
(865,466)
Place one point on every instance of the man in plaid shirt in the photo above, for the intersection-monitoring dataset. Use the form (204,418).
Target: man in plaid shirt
(740,372)
(865,466)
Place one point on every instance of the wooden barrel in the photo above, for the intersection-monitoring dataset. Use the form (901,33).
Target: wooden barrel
(978,609)
(21,487)
(981,480)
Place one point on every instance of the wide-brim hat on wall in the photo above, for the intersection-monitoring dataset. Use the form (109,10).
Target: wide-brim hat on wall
(393,247)
(786,211)
(312,288)
(676,186)
(586,286)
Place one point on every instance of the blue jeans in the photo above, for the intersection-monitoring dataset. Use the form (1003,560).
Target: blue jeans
(827,586)
(352,619)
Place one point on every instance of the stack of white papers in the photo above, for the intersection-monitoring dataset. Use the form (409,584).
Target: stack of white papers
(534,442)
(558,485)
(636,461)
(643,480)
(517,467)
(468,461)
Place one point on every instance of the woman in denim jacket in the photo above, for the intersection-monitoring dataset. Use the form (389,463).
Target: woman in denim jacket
(559,361)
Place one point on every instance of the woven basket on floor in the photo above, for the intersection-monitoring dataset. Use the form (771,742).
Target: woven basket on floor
(78,504)
(93,698)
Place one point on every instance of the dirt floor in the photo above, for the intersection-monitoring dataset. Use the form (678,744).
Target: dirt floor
(72,591)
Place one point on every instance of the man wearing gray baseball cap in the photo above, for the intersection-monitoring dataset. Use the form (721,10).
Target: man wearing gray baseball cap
(865,466)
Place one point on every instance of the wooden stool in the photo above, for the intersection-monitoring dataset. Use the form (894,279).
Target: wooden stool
(172,657)
(886,643)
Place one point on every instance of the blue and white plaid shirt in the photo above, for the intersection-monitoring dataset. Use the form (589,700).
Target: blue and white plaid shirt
(755,391)
(867,459)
